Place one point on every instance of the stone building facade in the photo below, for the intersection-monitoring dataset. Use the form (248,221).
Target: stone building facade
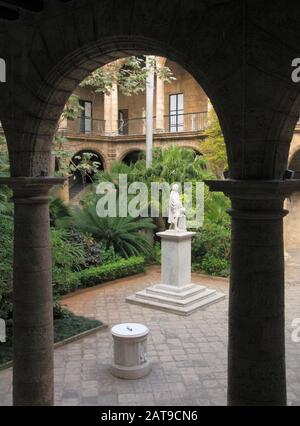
(113,125)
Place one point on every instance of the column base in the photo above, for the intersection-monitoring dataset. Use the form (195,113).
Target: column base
(131,373)
(176,300)
(176,294)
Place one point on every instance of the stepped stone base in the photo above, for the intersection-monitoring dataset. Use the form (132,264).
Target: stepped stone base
(182,300)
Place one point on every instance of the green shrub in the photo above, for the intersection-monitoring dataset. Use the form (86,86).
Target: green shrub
(70,325)
(111,271)
(6,262)
(95,253)
(157,252)
(66,259)
(215,266)
(211,249)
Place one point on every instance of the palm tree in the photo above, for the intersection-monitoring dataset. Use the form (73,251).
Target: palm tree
(124,234)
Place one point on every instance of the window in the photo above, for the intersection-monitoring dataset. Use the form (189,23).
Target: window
(86,116)
(176,113)
(123,122)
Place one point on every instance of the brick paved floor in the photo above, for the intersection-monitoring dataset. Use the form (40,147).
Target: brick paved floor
(188,353)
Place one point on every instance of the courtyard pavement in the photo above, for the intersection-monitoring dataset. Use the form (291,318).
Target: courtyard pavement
(188,353)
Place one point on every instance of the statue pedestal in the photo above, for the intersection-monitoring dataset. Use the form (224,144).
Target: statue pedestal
(176,293)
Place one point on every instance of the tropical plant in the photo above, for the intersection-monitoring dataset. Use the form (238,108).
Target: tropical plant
(59,212)
(121,233)
(174,164)
(85,165)
(213,147)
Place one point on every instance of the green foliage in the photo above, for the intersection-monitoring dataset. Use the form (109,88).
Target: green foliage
(157,253)
(59,212)
(73,108)
(94,252)
(66,258)
(215,266)
(86,166)
(213,147)
(121,233)
(70,325)
(111,271)
(6,263)
(62,156)
(6,236)
(174,164)
(211,248)
(66,325)
(6,206)
(99,274)
(129,73)
(4,160)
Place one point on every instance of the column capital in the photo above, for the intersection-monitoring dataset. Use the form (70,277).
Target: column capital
(31,189)
(256,199)
(255,189)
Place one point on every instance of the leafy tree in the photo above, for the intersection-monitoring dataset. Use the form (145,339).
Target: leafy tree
(214,147)
(129,73)
(73,108)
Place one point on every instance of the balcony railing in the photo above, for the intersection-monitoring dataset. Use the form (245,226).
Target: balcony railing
(176,123)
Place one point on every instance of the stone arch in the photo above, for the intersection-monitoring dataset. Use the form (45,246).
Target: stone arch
(257,147)
(193,147)
(96,156)
(77,149)
(129,151)
(248,46)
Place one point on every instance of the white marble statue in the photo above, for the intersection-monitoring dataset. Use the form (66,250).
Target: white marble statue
(177,217)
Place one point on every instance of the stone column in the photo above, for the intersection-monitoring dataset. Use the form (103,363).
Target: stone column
(107,113)
(160,97)
(111,109)
(32,291)
(256,353)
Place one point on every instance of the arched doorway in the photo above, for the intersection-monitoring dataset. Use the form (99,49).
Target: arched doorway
(133,156)
(84,166)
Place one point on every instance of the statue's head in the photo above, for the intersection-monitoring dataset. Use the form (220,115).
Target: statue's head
(175,187)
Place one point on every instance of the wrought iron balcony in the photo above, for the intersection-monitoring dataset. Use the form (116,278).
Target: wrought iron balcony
(176,123)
